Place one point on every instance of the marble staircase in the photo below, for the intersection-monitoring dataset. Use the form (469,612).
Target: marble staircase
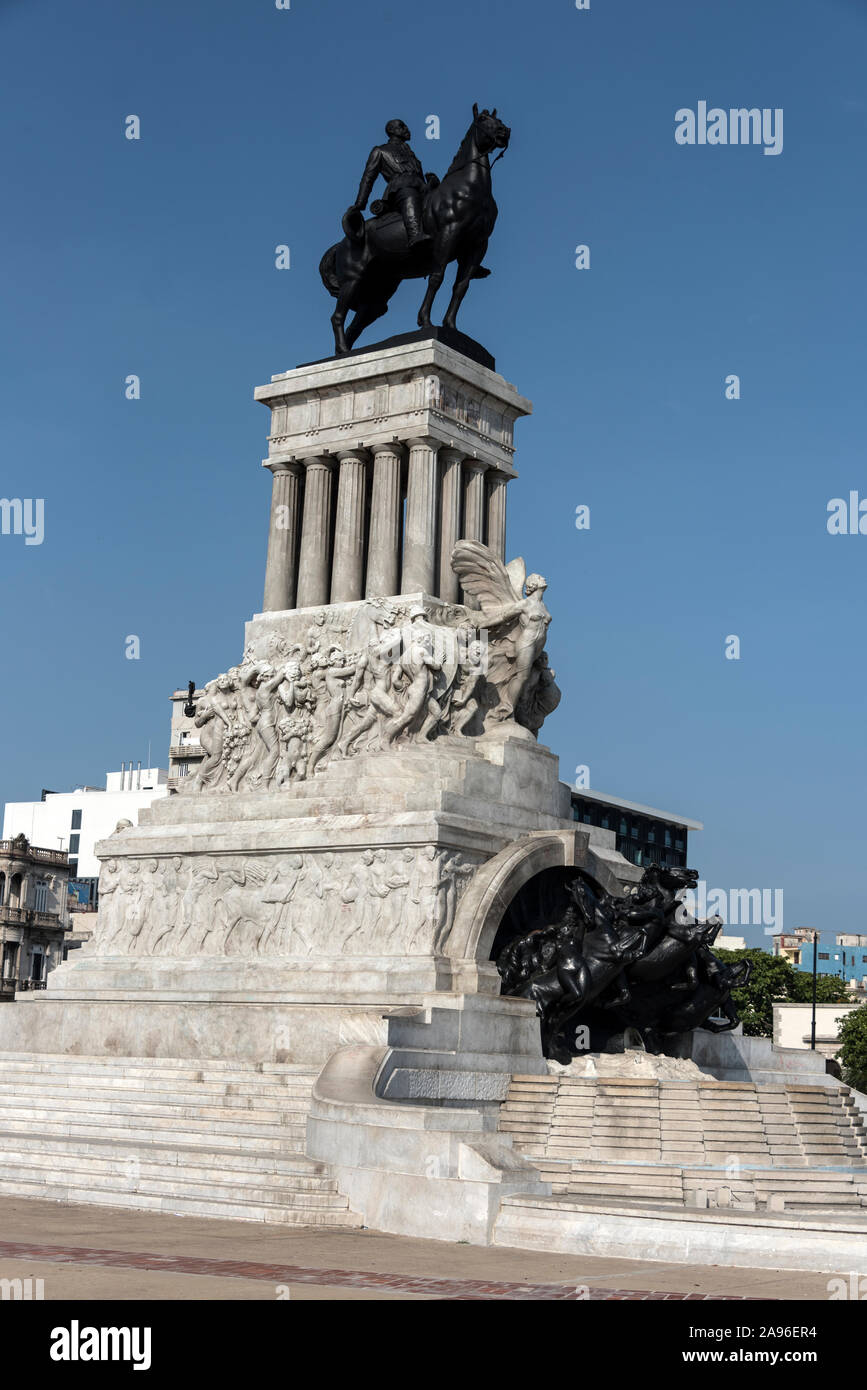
(205,1138)
(697,1142)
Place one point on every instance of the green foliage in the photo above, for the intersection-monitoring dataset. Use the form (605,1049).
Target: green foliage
(853,1052)
(830,989)
(774,981)
(771,981)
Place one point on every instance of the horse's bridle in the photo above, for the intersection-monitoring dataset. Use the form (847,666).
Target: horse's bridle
(479,159)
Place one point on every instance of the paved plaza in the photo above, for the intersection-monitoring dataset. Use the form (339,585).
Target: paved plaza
(86,1253)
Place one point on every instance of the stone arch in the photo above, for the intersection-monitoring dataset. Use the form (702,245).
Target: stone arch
(495,884)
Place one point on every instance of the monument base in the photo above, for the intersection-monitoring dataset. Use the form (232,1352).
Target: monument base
(450,337)
(278,926)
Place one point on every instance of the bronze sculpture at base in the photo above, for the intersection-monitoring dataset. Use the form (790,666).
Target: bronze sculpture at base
(636,969)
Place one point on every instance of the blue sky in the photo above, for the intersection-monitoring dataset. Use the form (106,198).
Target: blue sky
(708,516)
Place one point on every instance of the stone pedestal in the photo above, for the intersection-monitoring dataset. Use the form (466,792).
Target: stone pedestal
(310,878)
(451,418)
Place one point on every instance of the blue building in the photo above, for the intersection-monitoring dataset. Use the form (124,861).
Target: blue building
(846,958)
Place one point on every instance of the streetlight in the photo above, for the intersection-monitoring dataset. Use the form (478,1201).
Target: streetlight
(815,966)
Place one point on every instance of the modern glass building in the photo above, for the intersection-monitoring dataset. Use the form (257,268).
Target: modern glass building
(644,835)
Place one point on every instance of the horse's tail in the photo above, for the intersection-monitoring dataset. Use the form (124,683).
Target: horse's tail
(328,271)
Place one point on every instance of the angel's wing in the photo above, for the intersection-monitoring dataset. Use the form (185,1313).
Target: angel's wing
(484,575)
(517,572)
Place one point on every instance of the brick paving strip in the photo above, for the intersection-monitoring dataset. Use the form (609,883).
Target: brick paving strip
(453,1289)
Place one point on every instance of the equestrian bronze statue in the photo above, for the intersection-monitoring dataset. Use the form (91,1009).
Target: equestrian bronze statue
(420,226)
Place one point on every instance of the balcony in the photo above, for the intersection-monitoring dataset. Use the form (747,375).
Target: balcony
(10,985)
(186,750)
(56,857)
(29,917)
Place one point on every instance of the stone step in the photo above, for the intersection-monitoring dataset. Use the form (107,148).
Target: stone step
(587,1188)
(632,1174)
(71,1107)
(218,1097)
(138,1131)
(216,1069)
(216,1139)
(61,1150)
(253,1082)
(264,1187)
(276,1213)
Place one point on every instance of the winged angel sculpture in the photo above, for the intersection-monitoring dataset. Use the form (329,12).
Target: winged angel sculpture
(514,612)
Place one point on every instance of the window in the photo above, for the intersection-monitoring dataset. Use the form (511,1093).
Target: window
(75,823)
(678,844)
(73,843)
(622,830)
(40,895)
(668,839)
(651,836)
(823,955)
(633,830)
(605,823)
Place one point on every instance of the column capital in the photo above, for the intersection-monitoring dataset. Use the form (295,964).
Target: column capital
(348,455)
(475,465)
(423,441)
(451,453)
(277,466)
(395,446)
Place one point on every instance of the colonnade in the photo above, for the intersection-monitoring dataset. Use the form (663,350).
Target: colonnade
(366,523)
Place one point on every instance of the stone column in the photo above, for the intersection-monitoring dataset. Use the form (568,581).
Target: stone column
(450,521)
(497,513)
(314,570)
(419,541)
(383,554)
(474,510)
(281,565)
(348,569)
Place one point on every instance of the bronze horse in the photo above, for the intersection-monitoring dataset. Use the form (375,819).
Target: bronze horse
(364,269)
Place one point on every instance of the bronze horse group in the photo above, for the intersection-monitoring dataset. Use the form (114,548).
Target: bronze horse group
(364,269)
(639,964)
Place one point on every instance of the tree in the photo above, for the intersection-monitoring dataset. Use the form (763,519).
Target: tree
(770,983)
(774,981)
(830,989)
(853,1051)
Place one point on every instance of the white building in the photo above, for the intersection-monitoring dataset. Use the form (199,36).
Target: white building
(74,821)
(793,1024)
(185,751)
